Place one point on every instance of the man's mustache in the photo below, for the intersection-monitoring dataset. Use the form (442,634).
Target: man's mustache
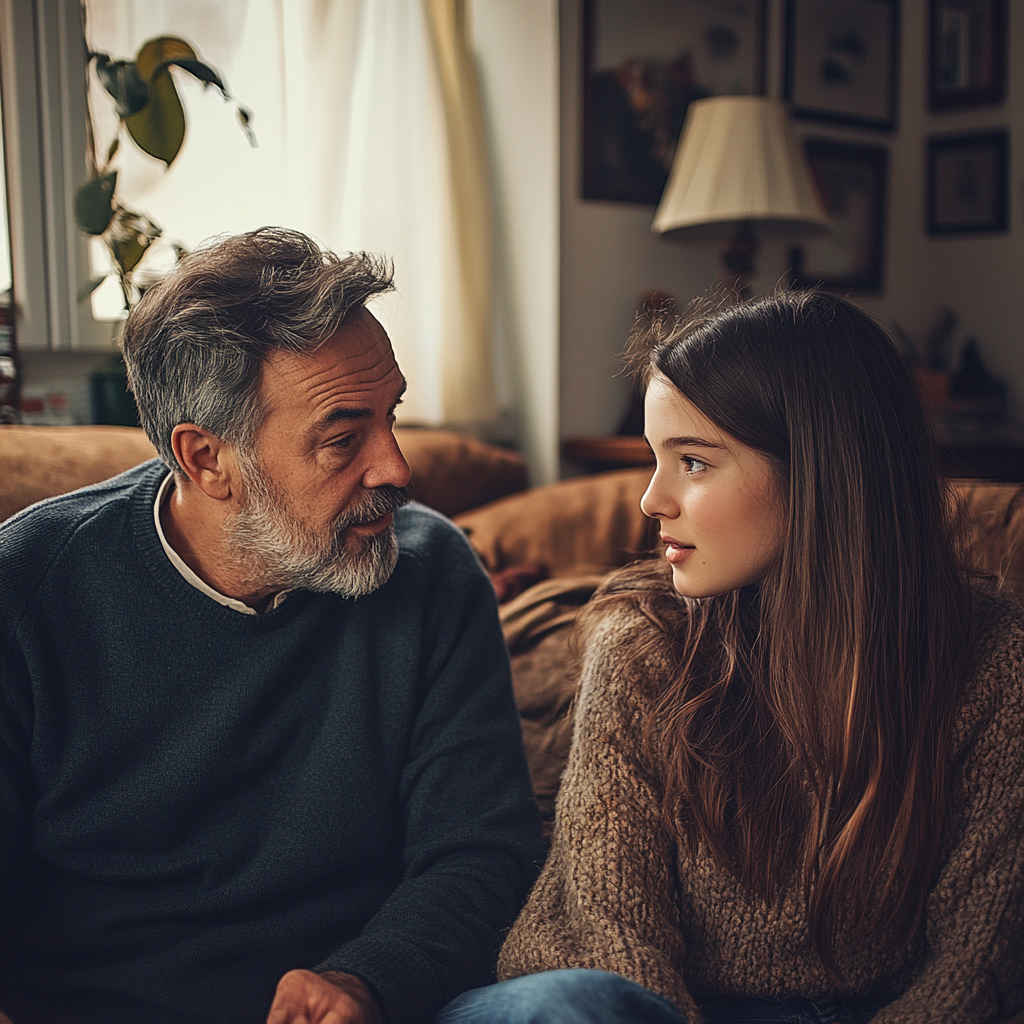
(381,501)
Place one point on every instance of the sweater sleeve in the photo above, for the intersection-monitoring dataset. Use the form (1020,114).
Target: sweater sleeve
(607,896)
(471,845)
(974,970)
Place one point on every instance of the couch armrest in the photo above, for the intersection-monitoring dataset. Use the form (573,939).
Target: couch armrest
(40,462)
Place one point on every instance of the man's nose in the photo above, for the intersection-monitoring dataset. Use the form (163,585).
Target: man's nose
(387,465)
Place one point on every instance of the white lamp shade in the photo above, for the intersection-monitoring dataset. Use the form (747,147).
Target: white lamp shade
(738,160)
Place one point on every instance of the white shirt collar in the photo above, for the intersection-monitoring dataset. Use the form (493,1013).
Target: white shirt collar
(162,494)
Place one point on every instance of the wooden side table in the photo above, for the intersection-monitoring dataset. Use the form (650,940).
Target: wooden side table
(603,453)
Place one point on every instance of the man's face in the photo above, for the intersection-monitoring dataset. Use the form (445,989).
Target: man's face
(316,512)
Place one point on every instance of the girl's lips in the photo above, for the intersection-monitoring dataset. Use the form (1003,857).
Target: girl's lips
(677,553)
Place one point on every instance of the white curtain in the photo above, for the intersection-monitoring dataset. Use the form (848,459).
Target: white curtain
(368,118)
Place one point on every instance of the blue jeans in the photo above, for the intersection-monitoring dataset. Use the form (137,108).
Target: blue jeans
(597,997)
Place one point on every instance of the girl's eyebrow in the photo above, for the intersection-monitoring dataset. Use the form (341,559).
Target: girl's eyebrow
(691,442)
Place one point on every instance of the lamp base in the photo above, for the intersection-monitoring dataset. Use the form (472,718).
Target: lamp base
(739,260)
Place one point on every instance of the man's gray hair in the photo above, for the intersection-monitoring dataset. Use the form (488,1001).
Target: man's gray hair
(195,343)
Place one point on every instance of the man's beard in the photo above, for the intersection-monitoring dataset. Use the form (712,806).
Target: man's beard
(274,549)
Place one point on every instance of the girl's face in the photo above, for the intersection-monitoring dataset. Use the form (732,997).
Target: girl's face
(718,502)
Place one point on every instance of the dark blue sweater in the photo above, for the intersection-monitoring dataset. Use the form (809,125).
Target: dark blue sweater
(194,801)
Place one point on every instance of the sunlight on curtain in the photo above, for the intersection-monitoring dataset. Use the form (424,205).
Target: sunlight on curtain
(367,117)
(468,357)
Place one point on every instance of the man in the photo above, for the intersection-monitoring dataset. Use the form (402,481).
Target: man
(258,751)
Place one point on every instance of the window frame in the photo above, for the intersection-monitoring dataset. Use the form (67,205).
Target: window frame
(43,86)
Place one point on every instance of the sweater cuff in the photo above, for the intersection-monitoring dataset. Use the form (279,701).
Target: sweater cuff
(406,989)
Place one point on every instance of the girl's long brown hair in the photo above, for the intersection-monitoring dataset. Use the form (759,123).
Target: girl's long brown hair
(804,733)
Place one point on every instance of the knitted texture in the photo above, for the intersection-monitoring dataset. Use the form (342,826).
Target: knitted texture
(619,893)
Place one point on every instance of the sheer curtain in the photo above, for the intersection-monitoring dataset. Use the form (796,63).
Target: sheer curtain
(370,137)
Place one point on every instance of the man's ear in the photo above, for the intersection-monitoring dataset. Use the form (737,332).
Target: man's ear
(207,461)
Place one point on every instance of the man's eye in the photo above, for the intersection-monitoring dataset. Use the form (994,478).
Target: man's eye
(343,444)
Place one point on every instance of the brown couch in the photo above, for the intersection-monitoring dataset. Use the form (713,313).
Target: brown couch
(567,535)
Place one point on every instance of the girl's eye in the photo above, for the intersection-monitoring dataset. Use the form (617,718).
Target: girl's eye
(693,465)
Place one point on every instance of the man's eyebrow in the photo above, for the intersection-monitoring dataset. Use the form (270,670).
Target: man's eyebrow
(343,414)
(340,415)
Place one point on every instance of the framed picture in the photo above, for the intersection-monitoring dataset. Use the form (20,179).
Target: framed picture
(968,183)
(852,182)
(644,62)
(842,60)
(967,65)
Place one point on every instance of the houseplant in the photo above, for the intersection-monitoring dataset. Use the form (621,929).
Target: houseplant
(150,113)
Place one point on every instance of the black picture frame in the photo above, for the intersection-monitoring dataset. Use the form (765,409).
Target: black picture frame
(968,183)
(967,53)
(842,61)
(636,94)
(852,180)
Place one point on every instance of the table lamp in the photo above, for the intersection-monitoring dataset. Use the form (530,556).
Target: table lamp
(739,175)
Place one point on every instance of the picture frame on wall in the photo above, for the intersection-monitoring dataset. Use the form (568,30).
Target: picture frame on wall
(644,62)
(842,61)
(968,183)
(852,181)
(967,53)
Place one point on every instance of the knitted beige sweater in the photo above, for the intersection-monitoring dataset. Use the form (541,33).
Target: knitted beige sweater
(618,893)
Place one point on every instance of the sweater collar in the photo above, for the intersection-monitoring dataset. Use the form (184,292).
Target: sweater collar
(195,605)
(162,494)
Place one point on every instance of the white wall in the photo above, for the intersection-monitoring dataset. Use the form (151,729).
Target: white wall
(517,47)
(980,277)
(610,257)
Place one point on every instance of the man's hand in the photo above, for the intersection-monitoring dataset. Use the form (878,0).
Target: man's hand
(303,997)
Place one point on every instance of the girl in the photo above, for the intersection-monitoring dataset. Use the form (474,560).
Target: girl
(796,788)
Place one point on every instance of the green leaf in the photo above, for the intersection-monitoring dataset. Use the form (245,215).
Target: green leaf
(129,236)
(157,53)
(86,288)
(159,127)
(205,74)
(94,203)
(122,80)
(129,251)
(245,120)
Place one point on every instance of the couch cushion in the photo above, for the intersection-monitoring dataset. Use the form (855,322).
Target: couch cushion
(452,473)
(538,630)
(590,520)
(995,524)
